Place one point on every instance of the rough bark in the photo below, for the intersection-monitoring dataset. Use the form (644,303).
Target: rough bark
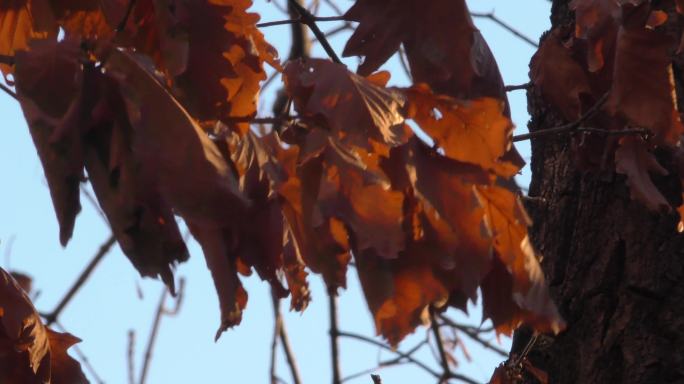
(615,269)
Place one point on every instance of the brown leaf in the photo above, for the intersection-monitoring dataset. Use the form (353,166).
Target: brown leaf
(222,265)
(49,83)
(30,352)
(443,46)
(634,160)
(643,84)
(141,220)
(352,107)
(190,171)
(596,22)
(559,76)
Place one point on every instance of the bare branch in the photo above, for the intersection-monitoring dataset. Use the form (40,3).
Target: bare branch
(444,360)
(153,336)
(519,87)
(334,334)
(131,356)
(309,20)
(505,26)
(473,334)
(8,91)
(104,249)
(575,125)
(386,347)
(161,311)
(299,20)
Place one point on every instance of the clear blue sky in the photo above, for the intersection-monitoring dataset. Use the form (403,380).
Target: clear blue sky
(108,306)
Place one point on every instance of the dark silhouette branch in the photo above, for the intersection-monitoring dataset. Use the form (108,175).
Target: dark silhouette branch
(104,249)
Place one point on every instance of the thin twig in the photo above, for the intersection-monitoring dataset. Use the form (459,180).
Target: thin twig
(334,335)
(153,336)
(309,20)
(475,336)
(299,20)
(289,354)
(505,26)
(389,348)
(569,127)
(8,91)
(104,249)
(131,356)
(518,87)
(277,317)
(444,360)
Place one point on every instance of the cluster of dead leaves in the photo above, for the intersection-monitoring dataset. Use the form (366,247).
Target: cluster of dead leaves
(148,111)
(30,352)
(624,49)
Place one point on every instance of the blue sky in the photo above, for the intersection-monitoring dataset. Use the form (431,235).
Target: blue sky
(109,305)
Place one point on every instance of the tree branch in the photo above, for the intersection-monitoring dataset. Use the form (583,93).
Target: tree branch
(299,20)
(104,249)
(8,91)
(474,335)
(334,334)
(575,125)
(506,26)
(309,20)
(161,311)
(444,360)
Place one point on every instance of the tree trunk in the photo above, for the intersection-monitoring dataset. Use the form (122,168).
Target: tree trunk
(615,269)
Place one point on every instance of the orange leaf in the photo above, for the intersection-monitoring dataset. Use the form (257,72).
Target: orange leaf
(475,132)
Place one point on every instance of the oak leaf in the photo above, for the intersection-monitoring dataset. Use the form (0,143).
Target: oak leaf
(353,108)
